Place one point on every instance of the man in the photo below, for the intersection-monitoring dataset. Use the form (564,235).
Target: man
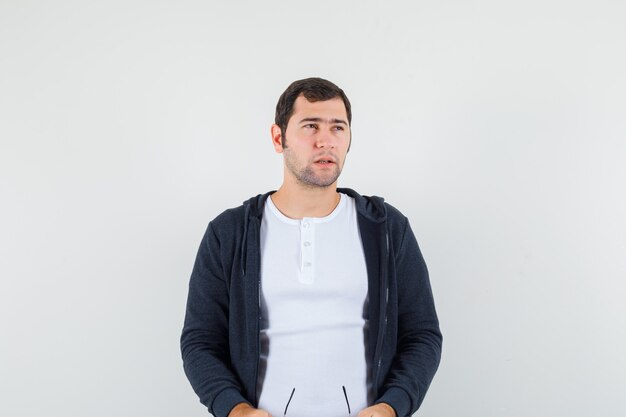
(312,300)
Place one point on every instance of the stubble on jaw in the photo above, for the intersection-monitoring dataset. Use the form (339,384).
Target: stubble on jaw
(306,176)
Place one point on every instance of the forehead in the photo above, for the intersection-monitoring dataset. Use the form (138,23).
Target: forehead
(331,109)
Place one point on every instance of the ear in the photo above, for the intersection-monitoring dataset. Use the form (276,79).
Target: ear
(277,138)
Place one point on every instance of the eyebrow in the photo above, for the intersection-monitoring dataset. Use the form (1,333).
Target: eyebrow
(319,119)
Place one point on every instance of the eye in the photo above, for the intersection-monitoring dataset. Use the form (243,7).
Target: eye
(339,128)
(310,126)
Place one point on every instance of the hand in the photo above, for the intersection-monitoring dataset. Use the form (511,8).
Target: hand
(378,410)
(246,410)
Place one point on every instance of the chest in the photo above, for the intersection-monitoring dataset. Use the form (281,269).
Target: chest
(312,271)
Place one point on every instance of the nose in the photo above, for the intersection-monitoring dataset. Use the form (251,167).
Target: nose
(325,139)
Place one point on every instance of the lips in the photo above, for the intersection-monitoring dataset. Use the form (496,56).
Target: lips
(325,160)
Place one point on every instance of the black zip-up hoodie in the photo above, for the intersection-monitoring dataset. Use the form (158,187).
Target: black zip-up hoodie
(220,337)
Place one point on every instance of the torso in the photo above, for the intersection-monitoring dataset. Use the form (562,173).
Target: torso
(314,290)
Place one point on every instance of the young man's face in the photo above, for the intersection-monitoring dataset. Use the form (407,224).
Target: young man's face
(316,141)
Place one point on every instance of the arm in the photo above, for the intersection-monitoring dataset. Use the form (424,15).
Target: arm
(419,338)
(204,341)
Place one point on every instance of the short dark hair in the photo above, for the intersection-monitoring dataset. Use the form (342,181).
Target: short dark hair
(313,89)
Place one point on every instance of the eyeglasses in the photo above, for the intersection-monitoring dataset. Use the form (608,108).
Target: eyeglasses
(345,395)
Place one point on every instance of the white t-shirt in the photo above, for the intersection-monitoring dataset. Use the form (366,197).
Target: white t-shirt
(313,296)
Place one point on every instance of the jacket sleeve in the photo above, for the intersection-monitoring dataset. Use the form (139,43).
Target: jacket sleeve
(204,340)
(419,338)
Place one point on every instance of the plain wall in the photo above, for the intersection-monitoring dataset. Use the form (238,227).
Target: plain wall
(497,127)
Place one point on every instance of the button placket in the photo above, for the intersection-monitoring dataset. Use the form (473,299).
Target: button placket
(306,248)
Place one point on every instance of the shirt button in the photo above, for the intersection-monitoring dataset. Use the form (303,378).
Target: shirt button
(307,264)
(307,243)
(305,225)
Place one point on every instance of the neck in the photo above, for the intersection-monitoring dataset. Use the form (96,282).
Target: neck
(296,201)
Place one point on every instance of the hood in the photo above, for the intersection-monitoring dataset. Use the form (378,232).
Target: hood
(372,207)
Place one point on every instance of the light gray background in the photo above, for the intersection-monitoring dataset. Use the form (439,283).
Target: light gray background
(497,127)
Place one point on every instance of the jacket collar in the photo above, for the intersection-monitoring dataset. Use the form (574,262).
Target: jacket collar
(372,207)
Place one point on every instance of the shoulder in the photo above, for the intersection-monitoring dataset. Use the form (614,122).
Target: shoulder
(395,216)
(229,218)
(397,225)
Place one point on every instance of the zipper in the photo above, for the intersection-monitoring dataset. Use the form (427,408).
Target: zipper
(258,322)
(383,325)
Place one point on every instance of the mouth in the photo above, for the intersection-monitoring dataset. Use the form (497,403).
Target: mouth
(325,161)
